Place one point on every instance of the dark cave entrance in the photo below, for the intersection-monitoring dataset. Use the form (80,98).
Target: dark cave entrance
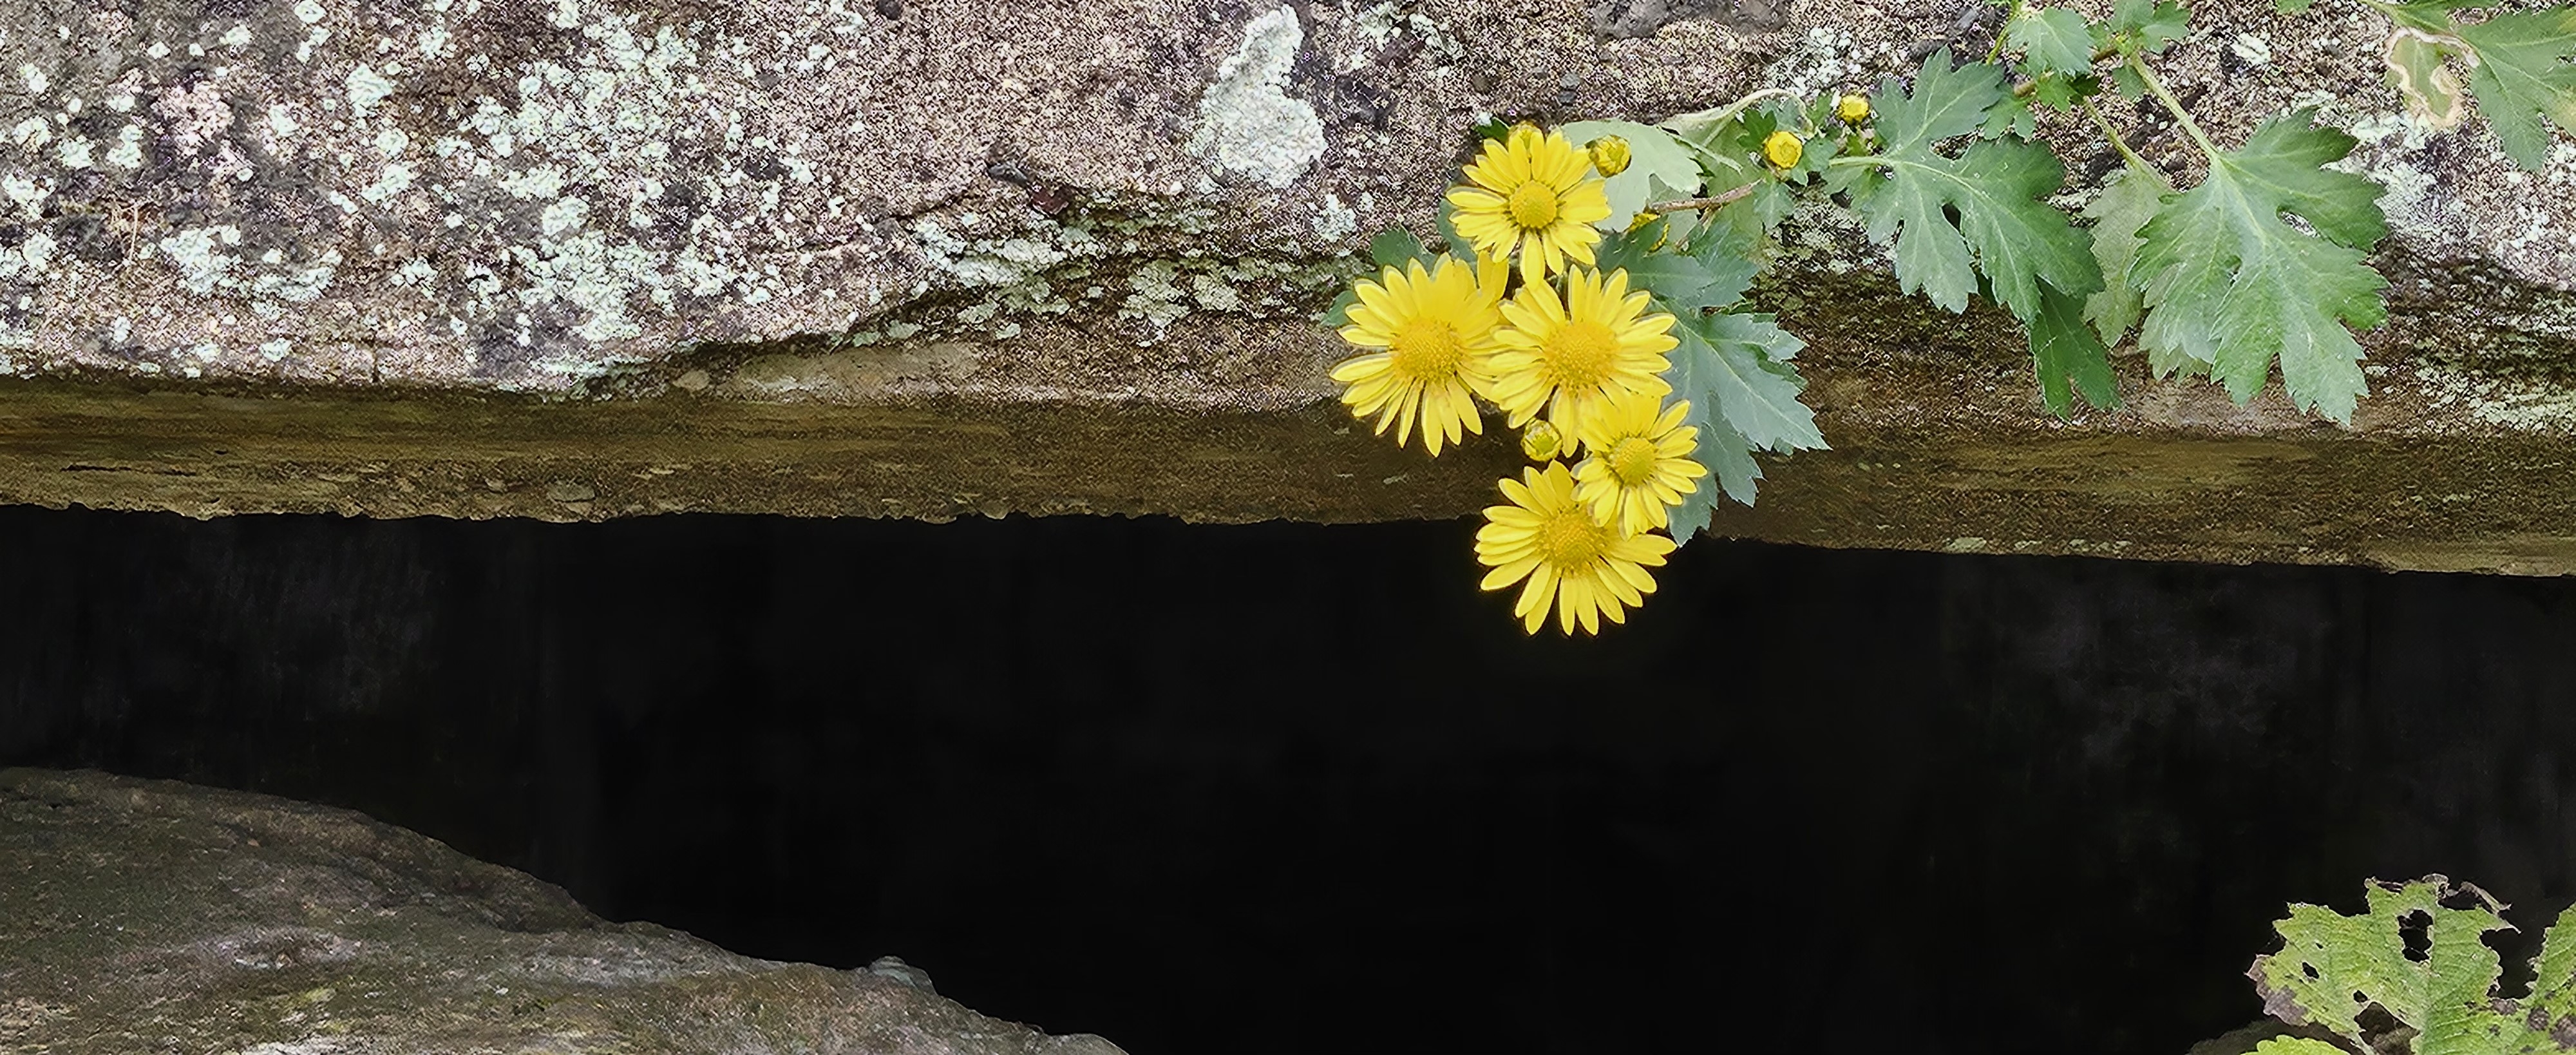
(1287,788)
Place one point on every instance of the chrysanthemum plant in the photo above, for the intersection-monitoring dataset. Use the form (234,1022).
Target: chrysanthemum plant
(1589,279)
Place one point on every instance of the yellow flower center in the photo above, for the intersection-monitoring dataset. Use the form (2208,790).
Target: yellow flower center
(1571,540)
(1534,206)
(1580,353)
(1427,350)
(1633,460)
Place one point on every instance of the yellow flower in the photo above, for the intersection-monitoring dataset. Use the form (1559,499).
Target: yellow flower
(1571,356)
(1852,109)
(1639,465)
(1436,332)
(1570,559)
(1534,193)
(1609,155)
(1783,149)
(1541,442)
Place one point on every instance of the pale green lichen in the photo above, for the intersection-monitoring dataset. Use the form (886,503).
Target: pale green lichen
(1248,124)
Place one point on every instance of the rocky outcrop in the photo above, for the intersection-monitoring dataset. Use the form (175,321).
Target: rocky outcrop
(588,258)
(155,916)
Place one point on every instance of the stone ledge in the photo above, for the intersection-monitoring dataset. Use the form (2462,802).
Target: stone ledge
(1938,444)
(586,258)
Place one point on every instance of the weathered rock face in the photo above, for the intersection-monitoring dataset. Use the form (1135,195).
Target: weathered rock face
(140,916)
(585,258)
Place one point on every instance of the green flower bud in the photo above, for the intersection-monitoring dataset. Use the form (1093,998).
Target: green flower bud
(1540,441)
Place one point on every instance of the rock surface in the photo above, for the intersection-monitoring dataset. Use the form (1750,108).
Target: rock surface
(153,916)
(587,258)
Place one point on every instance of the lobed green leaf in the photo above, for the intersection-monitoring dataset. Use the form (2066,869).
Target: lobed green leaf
(2230,285)
(2524,74)
(1738,363)
(1395,247)
(2017,241)
(1729,458)
(2145,27)
(2051,40)
(2067,353)
(1712,271)
(2128,200)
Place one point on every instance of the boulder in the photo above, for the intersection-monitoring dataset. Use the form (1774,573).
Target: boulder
(576,259)
(154,916)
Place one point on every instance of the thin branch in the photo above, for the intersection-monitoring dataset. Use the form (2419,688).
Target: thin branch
(1713,201)
(2156,87)
(2117,143)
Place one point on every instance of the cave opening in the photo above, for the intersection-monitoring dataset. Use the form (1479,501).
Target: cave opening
(1294,788)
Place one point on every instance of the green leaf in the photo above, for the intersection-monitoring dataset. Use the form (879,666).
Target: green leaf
(1453,241)
(1946,101)
(1754,217)
(2296,1046)
(2522,75)
(2125,80)
(2017,241)
(2144,26)
(2331,967)
(2229,283)
(2011,117)
(2051,40)
(1713,273)
(1737,363)
(2553,980)
(2061,93)
(1395,247)
(2063,350)
(2430,16)
(2129,198)
(1654,158)
(1729,458)
(1339,315)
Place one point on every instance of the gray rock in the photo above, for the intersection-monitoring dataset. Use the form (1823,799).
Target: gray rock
(475,257)
(151,916)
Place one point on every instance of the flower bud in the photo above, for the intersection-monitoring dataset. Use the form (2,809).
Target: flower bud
(1852,109)
(1540,441)
(1783,149)
(1609,155)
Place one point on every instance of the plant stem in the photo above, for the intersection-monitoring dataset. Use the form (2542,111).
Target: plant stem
(1997,48)
(2156,87)
(1723,114)
(2113,134)
(1713,201)
(2023,89)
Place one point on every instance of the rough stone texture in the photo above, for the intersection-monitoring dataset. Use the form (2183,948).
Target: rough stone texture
(587,258)
(153,916)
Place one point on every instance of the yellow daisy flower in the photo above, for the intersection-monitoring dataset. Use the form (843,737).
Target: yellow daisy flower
(1436,331)
(1570,559)
(1535,193)
(1640,463)
(1574,355)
